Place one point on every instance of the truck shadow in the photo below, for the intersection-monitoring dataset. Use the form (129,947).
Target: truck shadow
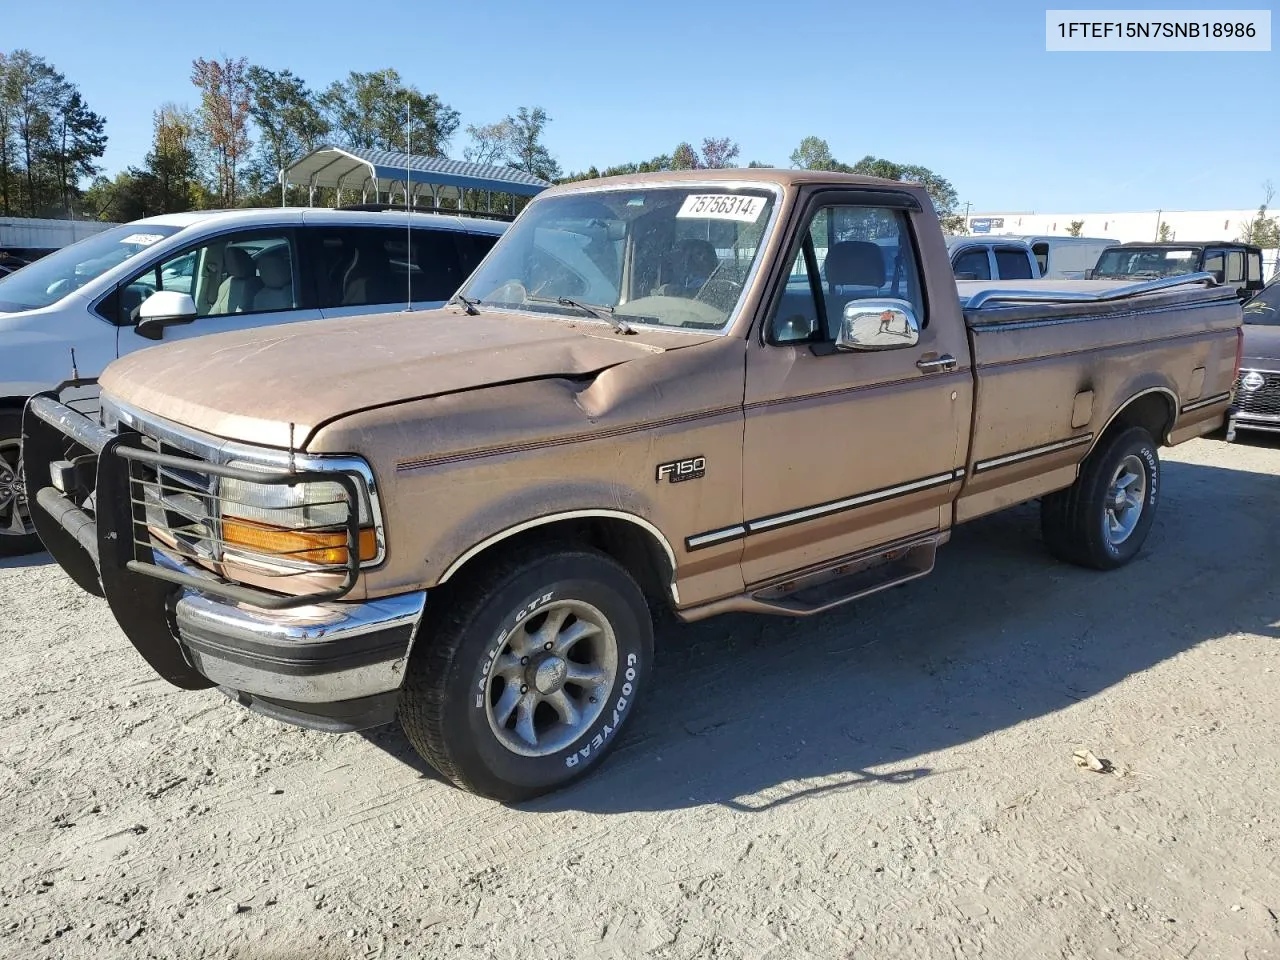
(753,712)
(41,559)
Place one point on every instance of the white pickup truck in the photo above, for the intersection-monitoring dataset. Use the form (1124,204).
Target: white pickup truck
(69,314)
(992,258)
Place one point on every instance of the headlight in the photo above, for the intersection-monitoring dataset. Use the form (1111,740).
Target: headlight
(299,523)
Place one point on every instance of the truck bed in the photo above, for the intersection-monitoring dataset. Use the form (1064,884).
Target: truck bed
(1052,360)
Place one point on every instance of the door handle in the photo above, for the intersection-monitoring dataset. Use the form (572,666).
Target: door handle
(942,364)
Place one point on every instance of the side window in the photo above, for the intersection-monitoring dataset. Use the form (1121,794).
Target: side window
(796,319)
(859,253)
(974,263)
(1013,264)
(1235,267)
(1041,250)
(436,269)
(472,248)
(1255,268)
(375,266)
(1213,262)
(238,273)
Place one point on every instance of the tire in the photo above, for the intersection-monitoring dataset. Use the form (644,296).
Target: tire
(465,701)
(12,496)
(1088,524)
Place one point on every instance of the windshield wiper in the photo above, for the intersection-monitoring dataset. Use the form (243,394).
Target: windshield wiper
(601,311)
(467,303)
(598,310)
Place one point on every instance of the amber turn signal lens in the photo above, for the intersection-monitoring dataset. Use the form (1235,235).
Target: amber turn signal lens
(326,548)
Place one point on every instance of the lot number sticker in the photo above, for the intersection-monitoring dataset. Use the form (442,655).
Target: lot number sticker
(142,239)
(722,206)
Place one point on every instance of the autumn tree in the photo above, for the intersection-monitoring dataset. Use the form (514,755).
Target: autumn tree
(289,120)
(719,153)
(31,86)
(813,153)
(368,111)
(225,98)
(49,138)
(78,140)
(173,161)
(490,143)
(1263,230)
(1075,228)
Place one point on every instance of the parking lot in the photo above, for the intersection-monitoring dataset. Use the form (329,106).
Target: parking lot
(895,778)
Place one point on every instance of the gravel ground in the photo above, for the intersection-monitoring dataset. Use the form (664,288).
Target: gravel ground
(891,780)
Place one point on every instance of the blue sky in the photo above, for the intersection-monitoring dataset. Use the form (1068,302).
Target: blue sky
(969,92)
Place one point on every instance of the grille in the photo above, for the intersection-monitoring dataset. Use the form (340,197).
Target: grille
(180,505)
(1262,401)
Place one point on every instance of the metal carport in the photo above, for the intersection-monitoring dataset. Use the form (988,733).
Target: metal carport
(390,173)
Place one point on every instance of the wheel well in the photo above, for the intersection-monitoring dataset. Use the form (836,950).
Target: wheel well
(638,550)
(1154,412)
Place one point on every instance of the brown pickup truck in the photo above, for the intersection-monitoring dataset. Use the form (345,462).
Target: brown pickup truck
(747,390)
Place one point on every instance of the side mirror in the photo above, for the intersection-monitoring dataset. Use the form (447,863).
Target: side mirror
(1219,277)
(878,325)
(164,308)
(1088,274)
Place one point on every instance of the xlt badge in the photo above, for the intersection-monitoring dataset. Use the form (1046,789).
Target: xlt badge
(677,471)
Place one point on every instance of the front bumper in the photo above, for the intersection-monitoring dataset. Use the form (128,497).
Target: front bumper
(321,663)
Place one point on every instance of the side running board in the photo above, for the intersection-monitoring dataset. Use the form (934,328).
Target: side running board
(818,589)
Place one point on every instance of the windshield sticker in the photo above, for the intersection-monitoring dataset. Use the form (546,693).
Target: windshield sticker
(1180,254)
(722,206)
(143,239)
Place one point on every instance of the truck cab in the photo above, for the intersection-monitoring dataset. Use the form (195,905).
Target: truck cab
(1237,265)
(992,258)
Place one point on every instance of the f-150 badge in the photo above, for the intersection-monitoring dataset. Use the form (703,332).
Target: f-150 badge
(677,471)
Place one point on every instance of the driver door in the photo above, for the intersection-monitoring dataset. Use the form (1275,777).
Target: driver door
(848,450)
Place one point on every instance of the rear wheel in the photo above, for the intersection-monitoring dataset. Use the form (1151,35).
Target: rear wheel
(17,535)
(1102,520)
(522,686)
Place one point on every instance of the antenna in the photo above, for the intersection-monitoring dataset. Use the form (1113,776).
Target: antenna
(408,213)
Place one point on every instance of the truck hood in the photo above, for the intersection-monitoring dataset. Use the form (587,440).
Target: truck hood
(275,386)
(1261,343)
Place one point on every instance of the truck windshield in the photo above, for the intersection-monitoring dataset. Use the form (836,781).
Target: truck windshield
(51,278)
(1264,309)
(1147,263)
(671,256)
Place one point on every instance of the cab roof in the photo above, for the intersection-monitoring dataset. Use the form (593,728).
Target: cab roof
(295,216)
(780,176)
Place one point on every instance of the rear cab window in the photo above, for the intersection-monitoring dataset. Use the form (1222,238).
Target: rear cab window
(974,263)
(1012,263)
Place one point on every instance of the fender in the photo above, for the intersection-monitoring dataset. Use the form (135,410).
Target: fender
(518,528)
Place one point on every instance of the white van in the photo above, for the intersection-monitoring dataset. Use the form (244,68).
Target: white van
(69,314)
(1066,258)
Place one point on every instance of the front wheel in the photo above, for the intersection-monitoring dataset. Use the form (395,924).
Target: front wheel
(523,685)
(1102,520)
(17,534)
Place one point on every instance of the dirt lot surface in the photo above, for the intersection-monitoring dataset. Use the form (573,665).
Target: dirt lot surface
(891,780)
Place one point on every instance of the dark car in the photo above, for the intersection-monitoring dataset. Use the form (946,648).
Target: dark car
(1257,403)
(1236,264)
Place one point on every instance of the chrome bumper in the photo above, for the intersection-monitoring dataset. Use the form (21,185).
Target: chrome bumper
(310,655)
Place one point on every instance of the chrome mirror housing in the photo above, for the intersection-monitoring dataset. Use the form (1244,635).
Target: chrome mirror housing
(885,324)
